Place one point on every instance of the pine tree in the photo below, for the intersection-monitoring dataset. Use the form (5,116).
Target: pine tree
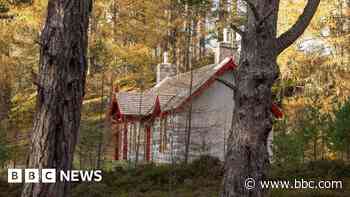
(247,155)
(340,134)
(61,89)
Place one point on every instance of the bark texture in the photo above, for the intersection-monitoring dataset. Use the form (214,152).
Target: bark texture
(5,99)
(247,155)
(61,82)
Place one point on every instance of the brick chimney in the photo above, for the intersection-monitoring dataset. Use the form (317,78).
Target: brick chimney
(226,48)
(165,69)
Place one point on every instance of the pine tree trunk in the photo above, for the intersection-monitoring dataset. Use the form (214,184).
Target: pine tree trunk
(348,152)
(101,137)
(5,97)
(247,155)
(247,152)
(315,148)
(61,82)
(223,4)
(188,64)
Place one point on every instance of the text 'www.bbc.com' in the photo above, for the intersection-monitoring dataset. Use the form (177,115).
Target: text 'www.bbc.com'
(251,184)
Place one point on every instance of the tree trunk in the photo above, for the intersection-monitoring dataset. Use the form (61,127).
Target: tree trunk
(315,148)
(101,137)
(138,142)
(5,96)
(189,121)
(188,64)
(61,82)
(348,152)
(223,15)
(247,155)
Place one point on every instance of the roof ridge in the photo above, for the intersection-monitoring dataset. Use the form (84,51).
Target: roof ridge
(197,69)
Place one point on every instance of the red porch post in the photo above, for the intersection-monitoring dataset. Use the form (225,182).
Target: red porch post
(161,135)
(125,141)
(116,151)
(148,143)
(118,140)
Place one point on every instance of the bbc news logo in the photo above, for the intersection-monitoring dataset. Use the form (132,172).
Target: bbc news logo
(52,176)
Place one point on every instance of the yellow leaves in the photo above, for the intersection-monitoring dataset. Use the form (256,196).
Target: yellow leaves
(137,54)
(26,101)
(143,21)
(290,10)
(30,15)
(347,12)
(322,77)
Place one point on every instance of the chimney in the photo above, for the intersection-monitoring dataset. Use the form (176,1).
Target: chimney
(165,69)
(225,48)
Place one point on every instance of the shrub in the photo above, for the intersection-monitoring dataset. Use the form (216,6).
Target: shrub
(91,190)
(313,169)
(207,166)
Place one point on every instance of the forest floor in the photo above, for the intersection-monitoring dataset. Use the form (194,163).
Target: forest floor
(202,178)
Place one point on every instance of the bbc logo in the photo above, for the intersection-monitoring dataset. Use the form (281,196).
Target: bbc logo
(31,176)
(51,175)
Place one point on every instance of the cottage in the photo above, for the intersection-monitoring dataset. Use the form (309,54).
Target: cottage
(153,125)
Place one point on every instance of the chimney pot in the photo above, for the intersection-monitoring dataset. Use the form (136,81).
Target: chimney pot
(223,51)
(165,57)
(165,69)
(226,48)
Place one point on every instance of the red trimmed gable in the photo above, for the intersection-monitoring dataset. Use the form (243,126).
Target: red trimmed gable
(157,108)
(230,65)
(115,110)
(157,111)
(276,110)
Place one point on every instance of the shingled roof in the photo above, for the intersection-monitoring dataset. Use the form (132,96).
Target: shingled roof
(172,92)
(132,103)
(180,85)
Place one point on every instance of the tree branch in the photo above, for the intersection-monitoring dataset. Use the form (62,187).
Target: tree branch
(253,8)
(291,35)
(226,83)
(237,30)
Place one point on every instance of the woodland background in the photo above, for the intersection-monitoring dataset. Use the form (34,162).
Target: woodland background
(126,41)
